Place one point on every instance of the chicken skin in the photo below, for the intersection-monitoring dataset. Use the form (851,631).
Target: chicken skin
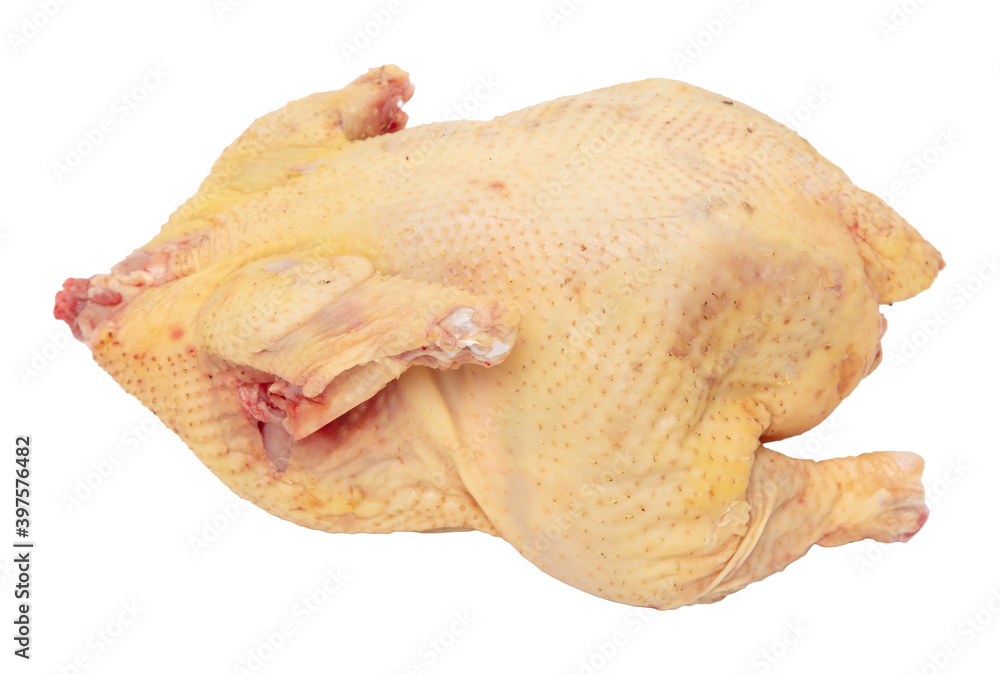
(572,327)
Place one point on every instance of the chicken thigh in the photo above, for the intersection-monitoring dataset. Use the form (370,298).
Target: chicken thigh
(572,326)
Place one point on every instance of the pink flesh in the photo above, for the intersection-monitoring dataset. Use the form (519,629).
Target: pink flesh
(275,407)
(264,403)
(279,403)
(88,304)
(924,514)
(85,307)
(259,404)
(277,444)
(389,116)
(70,301)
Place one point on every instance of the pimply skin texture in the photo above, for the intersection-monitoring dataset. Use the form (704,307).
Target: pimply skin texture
(571,327)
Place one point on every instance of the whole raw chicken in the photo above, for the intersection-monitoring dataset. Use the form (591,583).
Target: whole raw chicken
(571,327)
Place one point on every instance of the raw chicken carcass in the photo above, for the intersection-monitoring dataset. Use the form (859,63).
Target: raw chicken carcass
(571,327)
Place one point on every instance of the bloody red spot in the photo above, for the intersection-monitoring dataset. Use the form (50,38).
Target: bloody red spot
(176,332)
(497,185)
(69,301)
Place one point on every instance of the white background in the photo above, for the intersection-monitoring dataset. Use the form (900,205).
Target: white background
(864,607)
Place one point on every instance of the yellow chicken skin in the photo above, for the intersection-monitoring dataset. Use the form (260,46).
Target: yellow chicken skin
(571,326)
